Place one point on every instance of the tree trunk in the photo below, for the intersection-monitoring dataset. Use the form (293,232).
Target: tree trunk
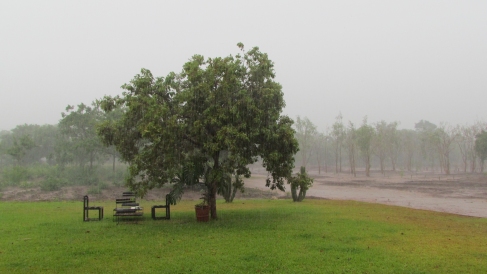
(473,161)
(336,159)
(447,164)
(367,166)
(354,166)
(410,155)
(340,158)
(318,159)
(381,160)
(324,160)
(351,159)
(350,162)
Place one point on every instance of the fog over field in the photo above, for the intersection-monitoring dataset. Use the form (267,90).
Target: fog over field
(390,60)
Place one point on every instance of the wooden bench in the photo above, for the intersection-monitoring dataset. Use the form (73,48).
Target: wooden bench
(128,212)
(127,207)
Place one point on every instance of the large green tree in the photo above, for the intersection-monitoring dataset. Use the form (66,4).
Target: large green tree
(227,106)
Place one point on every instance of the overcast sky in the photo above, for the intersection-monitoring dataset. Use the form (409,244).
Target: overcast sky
(390,60)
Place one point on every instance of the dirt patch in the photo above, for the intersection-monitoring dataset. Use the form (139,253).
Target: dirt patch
(464,194)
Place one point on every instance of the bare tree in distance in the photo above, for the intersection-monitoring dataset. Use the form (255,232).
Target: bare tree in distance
(409,141)
(443,137)
(365,135)
(320,145)
(351,141)
(481,148)
(380,143)
(393,143)
(425,131)
(305,134)
(474,131)
(338,135)
(465,141)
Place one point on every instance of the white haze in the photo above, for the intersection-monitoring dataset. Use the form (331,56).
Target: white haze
(390,60)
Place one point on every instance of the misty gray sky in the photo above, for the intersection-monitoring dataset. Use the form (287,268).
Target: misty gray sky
(390,60)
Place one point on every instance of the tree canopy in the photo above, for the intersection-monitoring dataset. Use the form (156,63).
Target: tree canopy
(219,113)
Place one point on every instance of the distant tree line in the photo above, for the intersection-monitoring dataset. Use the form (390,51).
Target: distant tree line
(346,147)
(72,141)
(71,152)
(63,154)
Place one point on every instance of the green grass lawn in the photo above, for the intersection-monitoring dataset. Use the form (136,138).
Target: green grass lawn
(251,236)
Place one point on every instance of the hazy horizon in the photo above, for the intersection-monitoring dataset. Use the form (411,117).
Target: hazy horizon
(393,61)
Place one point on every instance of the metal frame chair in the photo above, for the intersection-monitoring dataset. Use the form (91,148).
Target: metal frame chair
(87,208)
(167,207)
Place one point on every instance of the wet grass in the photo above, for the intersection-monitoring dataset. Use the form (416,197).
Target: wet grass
(251,236)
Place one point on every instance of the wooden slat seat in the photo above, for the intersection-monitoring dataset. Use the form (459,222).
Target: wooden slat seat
(127,207)
(128,214)
(130,204)
(125,210)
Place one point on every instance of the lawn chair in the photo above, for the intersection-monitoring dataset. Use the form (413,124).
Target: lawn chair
(87,208)
(167,207)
